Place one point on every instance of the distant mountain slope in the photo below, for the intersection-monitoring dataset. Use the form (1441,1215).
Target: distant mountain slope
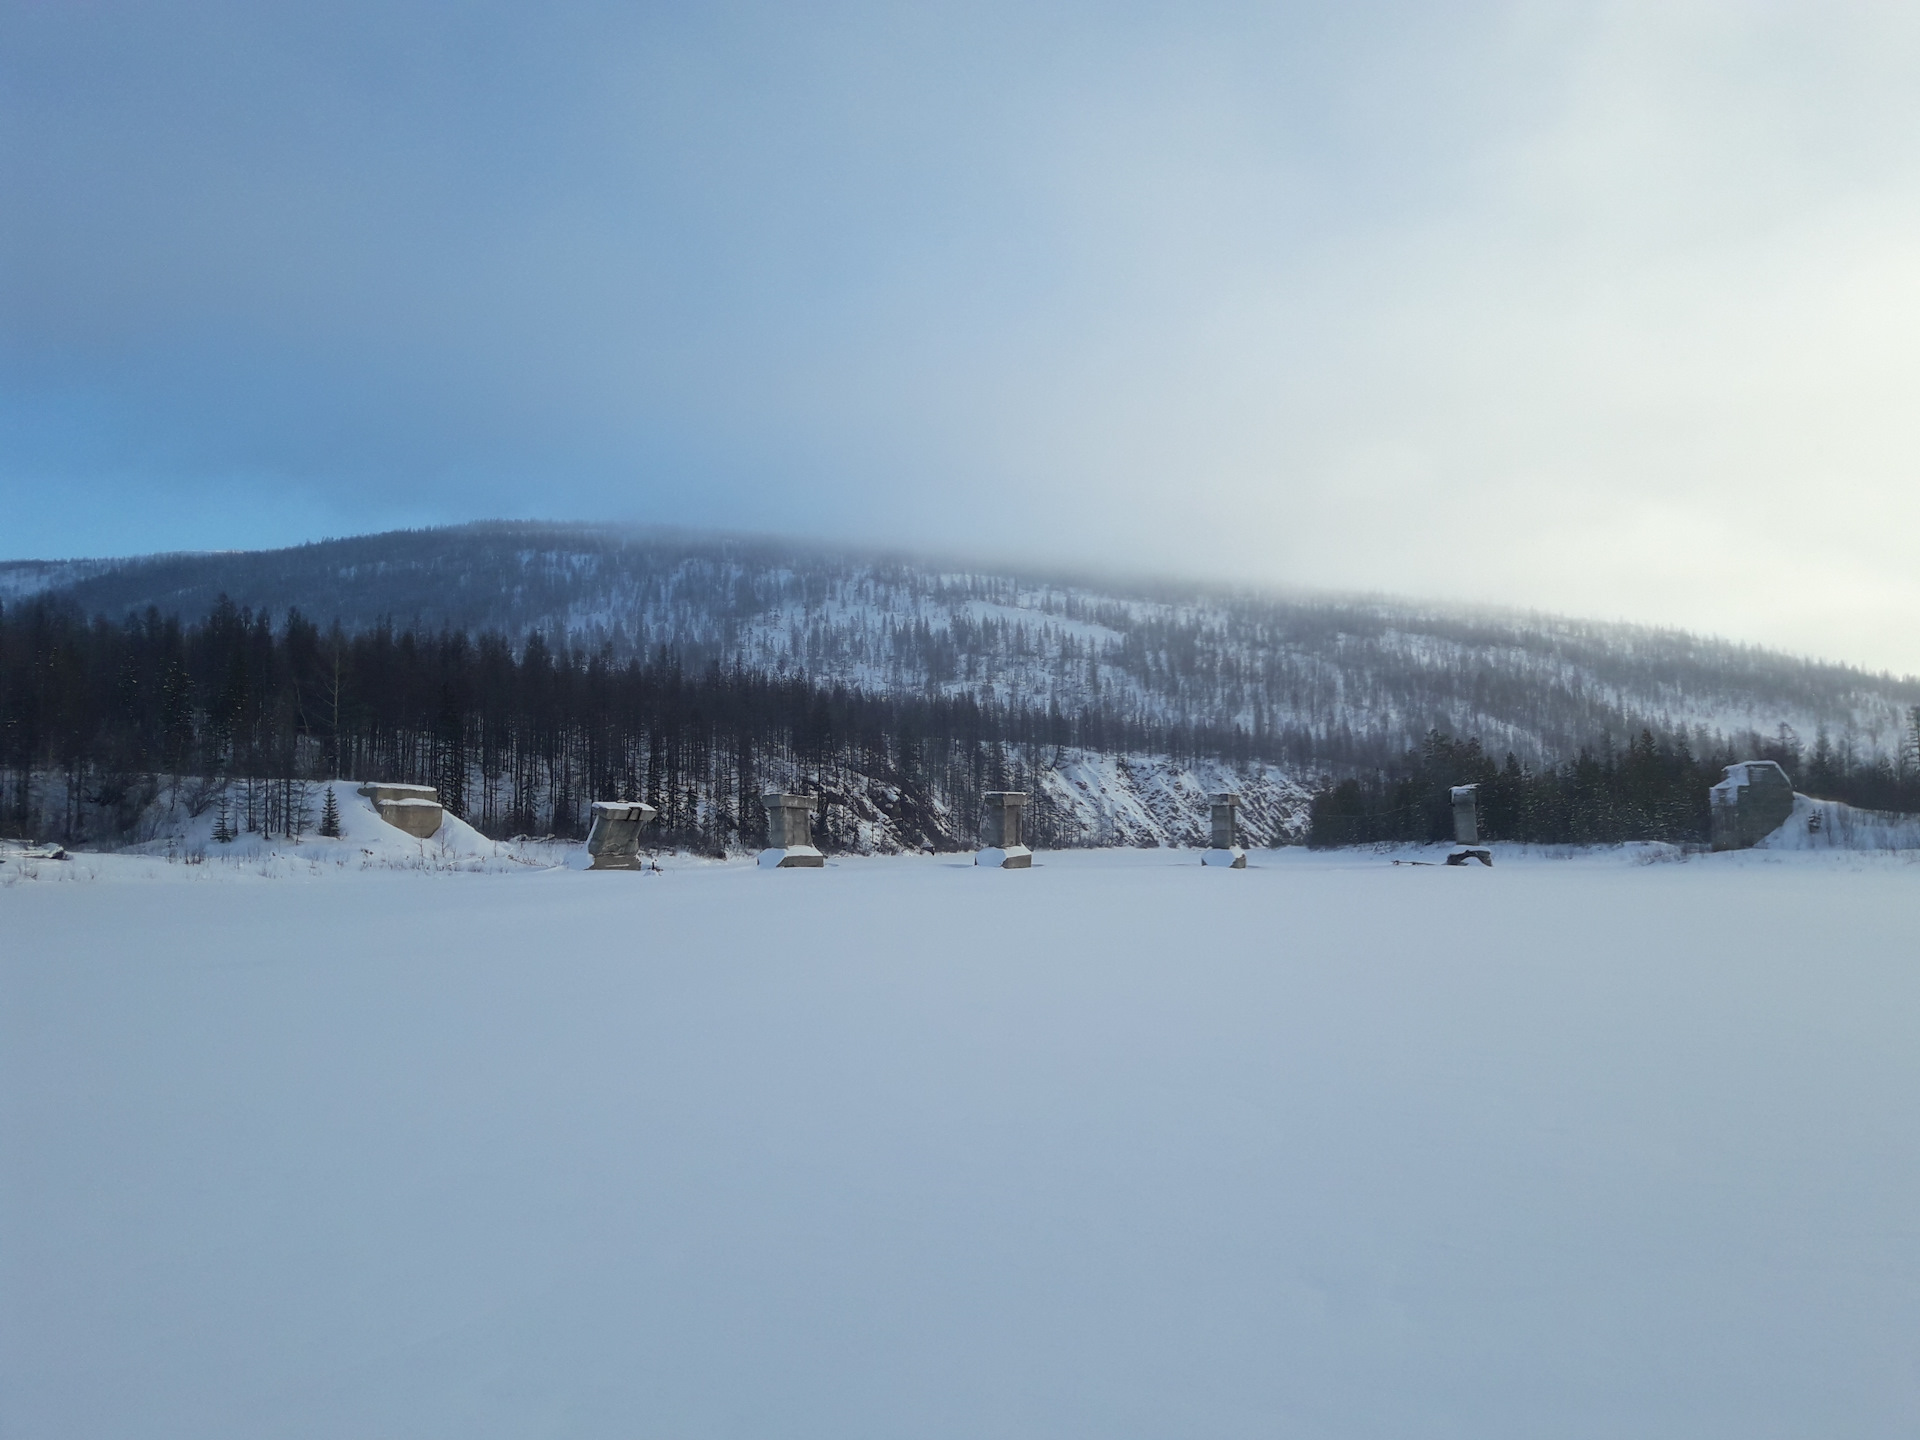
(20,579)
(1322,683)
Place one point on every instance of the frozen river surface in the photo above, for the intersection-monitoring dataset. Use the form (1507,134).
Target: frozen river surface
(1115,1147)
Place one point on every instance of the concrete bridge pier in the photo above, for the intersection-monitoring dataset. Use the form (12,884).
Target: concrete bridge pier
(614,840)
(1225,825)
(790,834)
(1002,831)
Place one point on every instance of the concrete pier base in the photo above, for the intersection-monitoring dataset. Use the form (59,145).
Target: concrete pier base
(1005,857)
(1231,857)
(415,809)
(790,834)
(792,857)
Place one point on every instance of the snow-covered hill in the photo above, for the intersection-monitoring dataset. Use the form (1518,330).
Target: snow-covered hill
(1321,682)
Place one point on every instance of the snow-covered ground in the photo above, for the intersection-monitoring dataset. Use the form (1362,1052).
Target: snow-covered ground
(1117,1146)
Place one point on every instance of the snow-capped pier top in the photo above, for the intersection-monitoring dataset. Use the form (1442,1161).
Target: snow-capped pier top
(1764,773)
(380,791)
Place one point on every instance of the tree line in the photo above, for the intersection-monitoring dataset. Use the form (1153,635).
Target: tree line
(1652,789)
(96,715)
(1319,683)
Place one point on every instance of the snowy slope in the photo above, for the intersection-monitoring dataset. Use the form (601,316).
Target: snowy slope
(21,579)
(1115,1147)
(366,841)
(1829,825)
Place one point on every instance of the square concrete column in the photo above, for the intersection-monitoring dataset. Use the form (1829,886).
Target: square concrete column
(1466,814)
(790,833)
(614,840)
(1225,825)
(1466,826)
(1753,800)
(1002,830)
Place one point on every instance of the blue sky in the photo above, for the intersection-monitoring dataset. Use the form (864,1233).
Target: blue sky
(1607,309)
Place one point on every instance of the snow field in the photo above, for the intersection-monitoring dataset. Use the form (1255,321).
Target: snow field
(1118,1146)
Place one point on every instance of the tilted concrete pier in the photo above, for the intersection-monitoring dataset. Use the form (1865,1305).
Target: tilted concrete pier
(614,840)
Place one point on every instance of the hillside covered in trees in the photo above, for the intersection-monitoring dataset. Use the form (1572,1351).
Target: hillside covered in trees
(1649,790)
(1318,684)
(96,716)
(527,670)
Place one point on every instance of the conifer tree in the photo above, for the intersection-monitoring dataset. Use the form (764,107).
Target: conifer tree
(330,816)
(299,808)
(223,824)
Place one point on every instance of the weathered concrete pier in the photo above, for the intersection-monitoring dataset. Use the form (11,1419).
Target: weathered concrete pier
(790,833)
(1753,801)
(1225,826)
(415,809)
(1002,827)
(614,840)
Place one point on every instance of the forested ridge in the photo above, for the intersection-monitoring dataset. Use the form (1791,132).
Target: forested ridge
(1342,685)
(517,739)
(1647,790)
